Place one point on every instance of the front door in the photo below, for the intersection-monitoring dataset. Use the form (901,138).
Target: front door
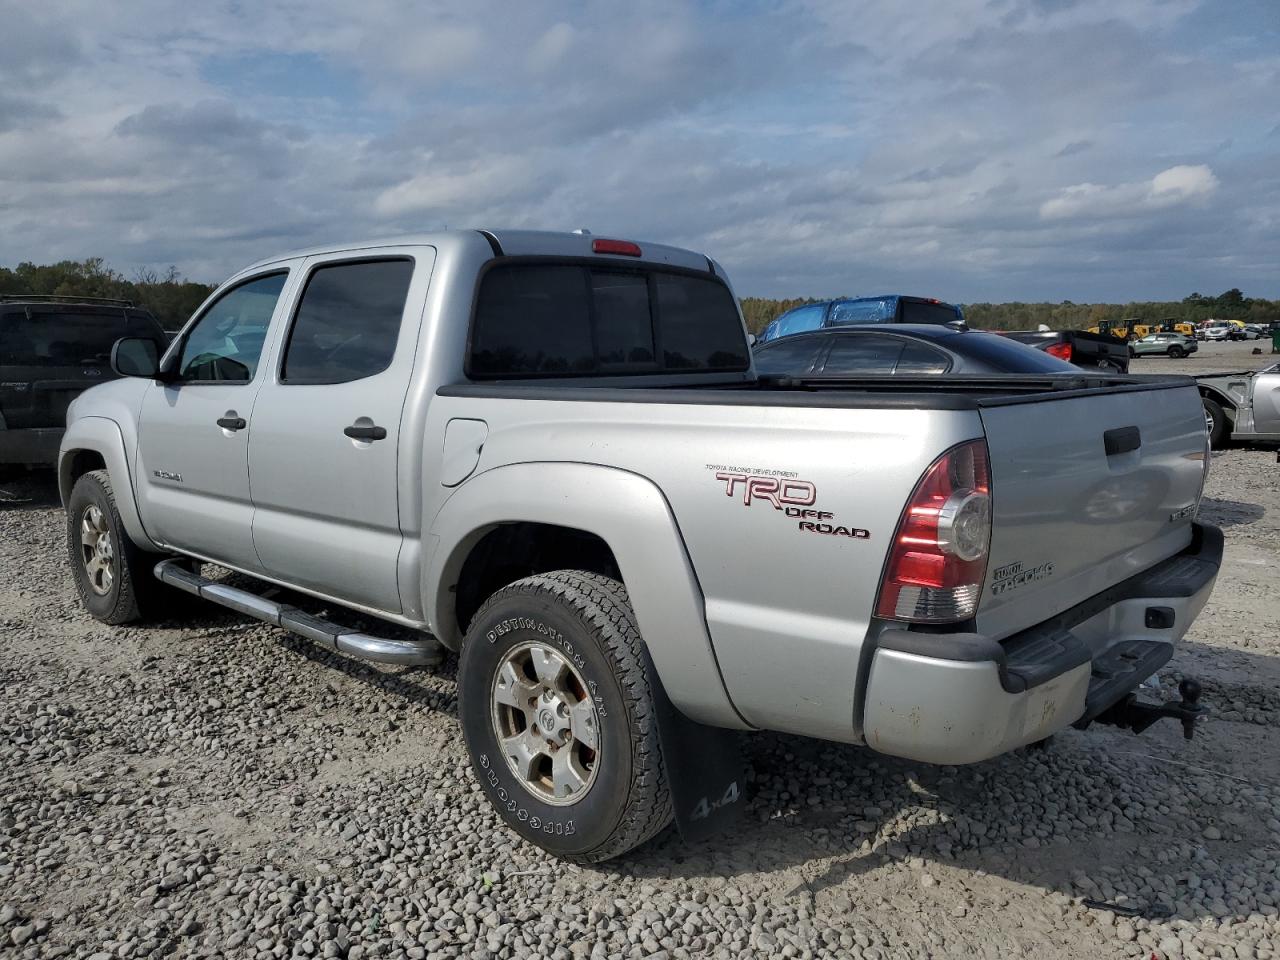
(324,448)
(193,435)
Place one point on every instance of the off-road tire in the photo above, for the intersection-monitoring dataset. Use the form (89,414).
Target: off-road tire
(134,593)
(588,618)
(1219,428)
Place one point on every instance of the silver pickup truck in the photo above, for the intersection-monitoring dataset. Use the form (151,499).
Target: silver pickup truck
(550,454)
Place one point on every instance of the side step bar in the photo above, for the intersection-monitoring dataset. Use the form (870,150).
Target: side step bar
(330,635)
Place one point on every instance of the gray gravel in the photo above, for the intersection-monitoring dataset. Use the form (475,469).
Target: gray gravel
(213,787)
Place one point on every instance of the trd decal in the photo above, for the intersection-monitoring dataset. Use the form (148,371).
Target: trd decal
(787,494)
(800,493)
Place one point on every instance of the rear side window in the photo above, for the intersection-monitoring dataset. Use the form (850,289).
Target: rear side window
(535,319)
(913,311)
(862,354)
(920,359)
(347,322)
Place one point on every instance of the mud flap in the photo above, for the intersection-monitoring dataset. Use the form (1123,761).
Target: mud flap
(706,772)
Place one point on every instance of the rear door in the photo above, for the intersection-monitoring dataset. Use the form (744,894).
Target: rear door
(1086,491)
(193,433)
(323,452)
(1266,400)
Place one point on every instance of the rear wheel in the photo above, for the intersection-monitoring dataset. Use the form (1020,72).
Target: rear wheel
(556,702)
(1176,352)
(1215,421)
(113,576)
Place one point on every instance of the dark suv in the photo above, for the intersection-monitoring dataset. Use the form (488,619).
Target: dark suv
(52,349)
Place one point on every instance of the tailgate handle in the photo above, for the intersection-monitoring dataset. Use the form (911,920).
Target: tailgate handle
(1121,440)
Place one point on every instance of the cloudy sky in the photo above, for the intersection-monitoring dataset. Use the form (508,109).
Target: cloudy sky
(966,149)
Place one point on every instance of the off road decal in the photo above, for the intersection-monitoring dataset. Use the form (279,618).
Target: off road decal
(786,493)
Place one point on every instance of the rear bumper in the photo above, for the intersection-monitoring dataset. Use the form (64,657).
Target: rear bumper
(961,698)
(35,445)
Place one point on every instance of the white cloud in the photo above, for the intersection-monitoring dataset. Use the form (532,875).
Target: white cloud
(1177,185)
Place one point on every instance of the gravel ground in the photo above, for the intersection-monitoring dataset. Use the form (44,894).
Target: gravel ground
(214,787)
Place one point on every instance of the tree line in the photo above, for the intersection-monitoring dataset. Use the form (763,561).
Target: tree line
(172,299)
(169,296)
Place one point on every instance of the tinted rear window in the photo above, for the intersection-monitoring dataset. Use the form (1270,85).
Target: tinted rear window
(52,337)
(535,319)
(913,311)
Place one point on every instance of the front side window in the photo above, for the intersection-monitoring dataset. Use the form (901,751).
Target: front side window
(226,342)
(543,319)
(348,322)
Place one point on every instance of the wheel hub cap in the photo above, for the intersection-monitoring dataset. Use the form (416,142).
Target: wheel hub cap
(546,723)
(97,550)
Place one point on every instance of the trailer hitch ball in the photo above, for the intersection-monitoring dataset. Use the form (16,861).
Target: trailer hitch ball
(1190,691)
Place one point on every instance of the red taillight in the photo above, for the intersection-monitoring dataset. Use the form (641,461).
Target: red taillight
(939,555)
(623,248)
(1060,350)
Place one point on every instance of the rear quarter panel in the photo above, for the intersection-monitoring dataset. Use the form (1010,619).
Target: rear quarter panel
(787,608)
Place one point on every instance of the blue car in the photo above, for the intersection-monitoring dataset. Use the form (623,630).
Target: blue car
(892,308)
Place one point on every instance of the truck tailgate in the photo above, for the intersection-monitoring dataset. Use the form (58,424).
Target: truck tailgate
(1087,490)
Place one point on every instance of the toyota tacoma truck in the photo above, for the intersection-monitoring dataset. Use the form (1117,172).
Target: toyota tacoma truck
(549,453)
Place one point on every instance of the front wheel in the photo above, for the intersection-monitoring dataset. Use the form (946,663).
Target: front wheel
(113,576)
(1176,352)
(555,696)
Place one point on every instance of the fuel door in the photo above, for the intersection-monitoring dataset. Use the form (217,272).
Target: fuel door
(463,442)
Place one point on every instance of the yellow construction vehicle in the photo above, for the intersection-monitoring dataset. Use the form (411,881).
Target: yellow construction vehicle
(1128,329)
(1174,325)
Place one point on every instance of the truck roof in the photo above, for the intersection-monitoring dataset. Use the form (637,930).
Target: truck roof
(519,243)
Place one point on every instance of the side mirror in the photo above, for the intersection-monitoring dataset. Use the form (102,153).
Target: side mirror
(135,357)
(752,339)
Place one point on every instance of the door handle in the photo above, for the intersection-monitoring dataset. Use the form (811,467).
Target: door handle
(1121,440)
(366,432)
(231,421)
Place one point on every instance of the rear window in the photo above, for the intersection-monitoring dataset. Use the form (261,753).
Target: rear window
(571,320)
(45,337)
(913,311)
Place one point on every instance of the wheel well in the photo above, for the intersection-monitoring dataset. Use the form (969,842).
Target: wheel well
(513,551)
(82,462)
(1228,405)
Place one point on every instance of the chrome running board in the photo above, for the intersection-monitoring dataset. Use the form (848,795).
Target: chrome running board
(333,636)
